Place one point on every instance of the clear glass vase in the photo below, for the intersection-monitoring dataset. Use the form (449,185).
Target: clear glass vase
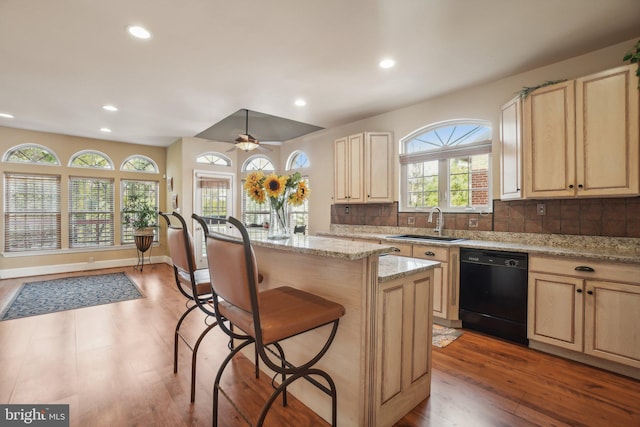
(279,221)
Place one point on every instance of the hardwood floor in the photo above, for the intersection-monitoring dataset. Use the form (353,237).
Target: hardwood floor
(113,364)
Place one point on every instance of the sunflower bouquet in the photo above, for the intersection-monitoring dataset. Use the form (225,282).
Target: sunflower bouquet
(280,190)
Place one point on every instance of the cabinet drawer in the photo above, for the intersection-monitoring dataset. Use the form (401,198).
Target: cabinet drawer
(627,273)
(403,249)
(436,253)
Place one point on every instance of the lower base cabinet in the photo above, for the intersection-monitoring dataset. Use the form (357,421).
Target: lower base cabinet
(587,307)
(403,346)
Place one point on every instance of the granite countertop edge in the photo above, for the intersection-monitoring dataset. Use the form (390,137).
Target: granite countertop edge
(392,267)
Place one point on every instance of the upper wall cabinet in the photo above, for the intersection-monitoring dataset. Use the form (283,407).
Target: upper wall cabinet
(511,150)
(580,137)
(363,168)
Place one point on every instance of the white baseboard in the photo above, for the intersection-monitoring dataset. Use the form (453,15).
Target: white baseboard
(12,273)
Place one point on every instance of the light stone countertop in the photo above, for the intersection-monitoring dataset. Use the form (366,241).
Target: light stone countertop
(320,246)
(390,267)
(393,267)
(623,250)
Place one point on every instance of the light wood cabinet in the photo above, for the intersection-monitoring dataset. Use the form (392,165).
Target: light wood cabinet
(607,133)
(349,169)
(363,168)
(403,346)
(441,284)
(580,137)
(585,306)
(511,150)
(549,141)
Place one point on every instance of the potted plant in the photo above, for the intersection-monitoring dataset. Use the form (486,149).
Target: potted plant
(139,214)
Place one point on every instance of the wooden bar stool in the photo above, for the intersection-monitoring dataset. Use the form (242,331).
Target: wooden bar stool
(193,283)
(265,318)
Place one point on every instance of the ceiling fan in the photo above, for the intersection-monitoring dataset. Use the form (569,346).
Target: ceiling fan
(245,141)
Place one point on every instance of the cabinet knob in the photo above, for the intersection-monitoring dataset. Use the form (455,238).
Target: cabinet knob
(395,249)
(590,292)
(580,186)
(570,185)
(429,253)
(584,268)
(579,290)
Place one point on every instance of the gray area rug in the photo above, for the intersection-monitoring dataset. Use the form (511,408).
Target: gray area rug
(50,296)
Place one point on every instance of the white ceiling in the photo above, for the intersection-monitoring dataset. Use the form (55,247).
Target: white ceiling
(61,60)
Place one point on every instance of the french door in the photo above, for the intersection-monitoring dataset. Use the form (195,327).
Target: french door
(213,199)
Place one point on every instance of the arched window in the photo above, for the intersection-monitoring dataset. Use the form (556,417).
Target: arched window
(258,163)
(139,163)
(31,153)
(91,159)
(297,160)
(447,164)
(214,159)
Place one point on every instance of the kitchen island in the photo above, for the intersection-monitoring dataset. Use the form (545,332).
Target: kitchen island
(380,359)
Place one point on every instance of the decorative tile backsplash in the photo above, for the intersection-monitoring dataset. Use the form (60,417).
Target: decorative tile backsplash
(616,217)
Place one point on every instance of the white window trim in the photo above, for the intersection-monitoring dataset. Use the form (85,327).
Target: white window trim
(443,156)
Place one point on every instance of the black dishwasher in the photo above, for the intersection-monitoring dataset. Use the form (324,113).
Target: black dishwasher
(493,293)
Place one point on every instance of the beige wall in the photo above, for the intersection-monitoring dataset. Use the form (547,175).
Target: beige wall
(64,147)
(479,102)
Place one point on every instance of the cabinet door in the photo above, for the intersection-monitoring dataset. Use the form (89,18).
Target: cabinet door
(403,346)
(378,149)
(341,170)
(440,277)
(612,316)
(356,168)
(607,133)
(511,150)
(555,309)
(549,141)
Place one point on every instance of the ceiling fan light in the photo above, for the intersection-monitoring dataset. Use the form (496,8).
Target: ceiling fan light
(247,145)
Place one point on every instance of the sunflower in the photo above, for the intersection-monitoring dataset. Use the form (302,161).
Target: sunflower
(275,185)
(300,195)
(253,186)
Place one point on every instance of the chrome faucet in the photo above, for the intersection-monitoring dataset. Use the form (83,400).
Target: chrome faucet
(439,222)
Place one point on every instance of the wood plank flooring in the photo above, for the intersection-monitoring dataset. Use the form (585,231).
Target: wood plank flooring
(114,365)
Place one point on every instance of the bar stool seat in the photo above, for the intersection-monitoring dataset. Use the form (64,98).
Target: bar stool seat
(284,312)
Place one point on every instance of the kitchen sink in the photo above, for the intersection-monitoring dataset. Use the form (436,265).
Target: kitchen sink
(422,237)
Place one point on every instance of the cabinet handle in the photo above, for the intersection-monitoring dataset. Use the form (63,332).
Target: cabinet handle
(429,253)
(580,186)
(395,249)
(590,292)
(579,290)
(584,268)
(570,185)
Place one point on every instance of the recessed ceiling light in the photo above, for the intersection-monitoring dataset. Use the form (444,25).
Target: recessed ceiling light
(139,32)
(386,63)
(105,130)
(110,107)
(300,102)
(6,115)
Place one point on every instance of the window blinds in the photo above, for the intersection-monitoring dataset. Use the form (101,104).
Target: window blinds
(31,213)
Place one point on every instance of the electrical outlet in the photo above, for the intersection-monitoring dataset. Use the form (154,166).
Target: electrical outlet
(540,208)
(473,222)
(411,220)
(346,209)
